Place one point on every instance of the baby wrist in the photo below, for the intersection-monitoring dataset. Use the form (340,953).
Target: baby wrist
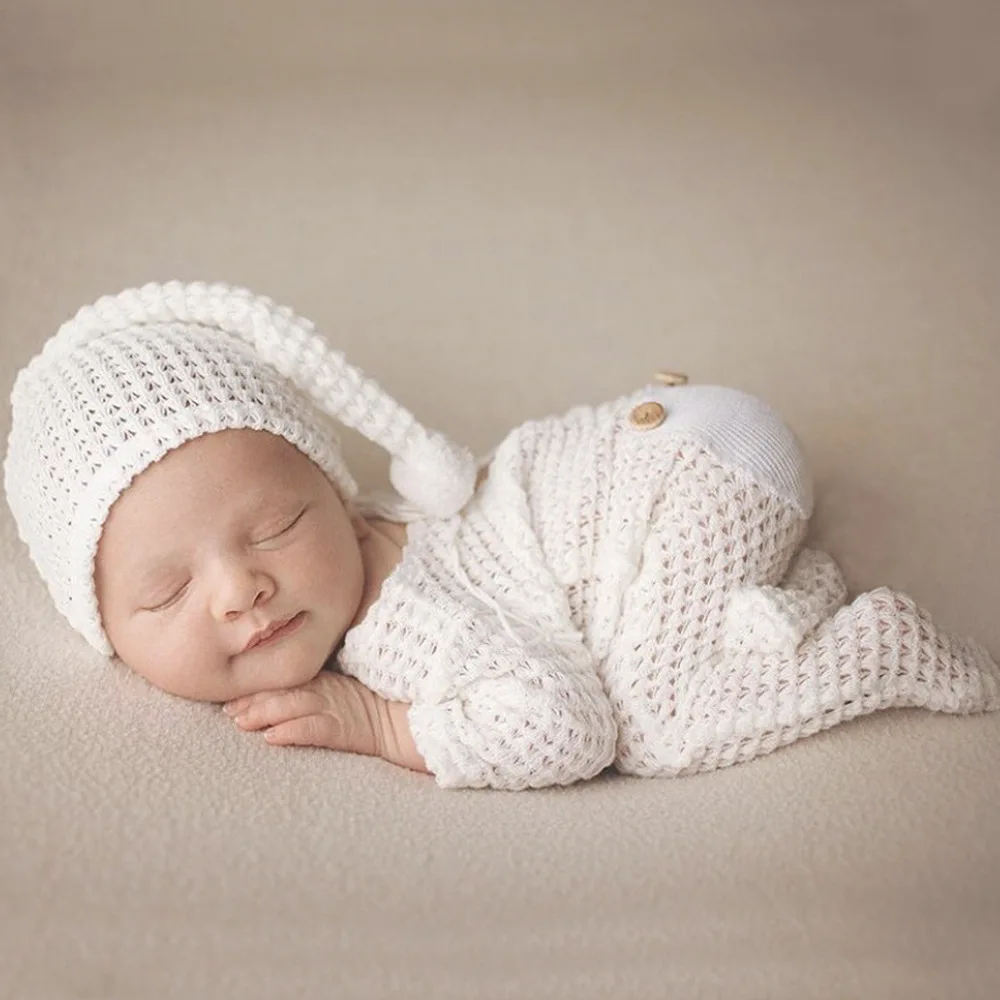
(395,737)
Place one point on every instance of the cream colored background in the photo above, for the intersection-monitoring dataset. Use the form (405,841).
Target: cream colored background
(499,210)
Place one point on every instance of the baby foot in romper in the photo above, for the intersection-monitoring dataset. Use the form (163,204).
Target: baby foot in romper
(881,651)
(767,619)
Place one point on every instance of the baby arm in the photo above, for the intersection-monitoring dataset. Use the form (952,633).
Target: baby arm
(506,718)
(488,708)
(522,719)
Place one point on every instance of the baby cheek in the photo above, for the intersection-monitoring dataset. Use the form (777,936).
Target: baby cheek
(343,579)
(179,656)
(324,563)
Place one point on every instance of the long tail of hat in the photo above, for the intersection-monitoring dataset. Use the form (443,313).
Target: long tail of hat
(427,469)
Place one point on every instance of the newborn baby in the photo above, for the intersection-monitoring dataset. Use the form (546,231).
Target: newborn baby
(619,585)
(231,568)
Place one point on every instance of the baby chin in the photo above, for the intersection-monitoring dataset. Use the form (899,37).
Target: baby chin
(286,657)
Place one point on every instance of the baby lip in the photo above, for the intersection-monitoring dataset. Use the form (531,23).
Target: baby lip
(265,633)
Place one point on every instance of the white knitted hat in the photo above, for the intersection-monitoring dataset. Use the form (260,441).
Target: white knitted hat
(137,374)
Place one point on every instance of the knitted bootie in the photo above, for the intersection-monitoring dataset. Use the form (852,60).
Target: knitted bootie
(881,651)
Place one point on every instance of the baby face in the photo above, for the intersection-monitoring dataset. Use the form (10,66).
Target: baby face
(229,567)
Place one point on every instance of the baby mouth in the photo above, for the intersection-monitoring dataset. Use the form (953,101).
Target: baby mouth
(275,632)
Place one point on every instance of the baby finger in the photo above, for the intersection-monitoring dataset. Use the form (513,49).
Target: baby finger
(308,731)
(280,708)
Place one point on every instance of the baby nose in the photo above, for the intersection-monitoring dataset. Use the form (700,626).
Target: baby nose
(240,588)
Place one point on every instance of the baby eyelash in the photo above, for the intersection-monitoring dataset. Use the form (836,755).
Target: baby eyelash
(172,599)
(287,527)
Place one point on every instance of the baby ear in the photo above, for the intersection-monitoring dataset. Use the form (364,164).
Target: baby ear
(361,527)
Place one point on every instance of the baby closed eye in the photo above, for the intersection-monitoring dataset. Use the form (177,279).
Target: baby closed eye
(282,531)
(169,601)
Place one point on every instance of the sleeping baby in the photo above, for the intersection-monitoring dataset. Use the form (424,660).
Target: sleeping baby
(623,585)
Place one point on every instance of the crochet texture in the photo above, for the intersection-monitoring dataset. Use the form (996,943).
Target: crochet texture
(641,597)
(139,373)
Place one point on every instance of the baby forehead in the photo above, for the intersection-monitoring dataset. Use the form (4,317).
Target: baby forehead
(240,473)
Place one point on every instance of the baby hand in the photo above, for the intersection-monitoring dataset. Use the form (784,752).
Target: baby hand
(332,711)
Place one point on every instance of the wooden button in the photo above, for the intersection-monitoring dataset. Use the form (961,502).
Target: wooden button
(646,416)
(671,378)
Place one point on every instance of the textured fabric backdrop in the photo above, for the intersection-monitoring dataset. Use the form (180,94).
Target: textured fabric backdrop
(500,210)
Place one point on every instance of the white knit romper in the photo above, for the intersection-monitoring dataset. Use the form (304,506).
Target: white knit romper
(629,587)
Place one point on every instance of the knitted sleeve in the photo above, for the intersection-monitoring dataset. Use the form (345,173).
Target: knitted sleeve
(491,706)
(518,718)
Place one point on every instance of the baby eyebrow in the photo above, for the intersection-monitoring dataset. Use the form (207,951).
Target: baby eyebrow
(159,578)
(265,502)
(153,591)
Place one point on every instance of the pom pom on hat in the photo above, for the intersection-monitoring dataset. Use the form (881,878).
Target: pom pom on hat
(137,374)
(453,480)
